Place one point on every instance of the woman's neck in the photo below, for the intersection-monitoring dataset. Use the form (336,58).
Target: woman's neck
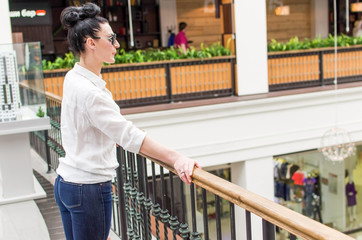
(91,65)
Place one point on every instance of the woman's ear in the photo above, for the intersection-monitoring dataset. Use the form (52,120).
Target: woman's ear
(90,44)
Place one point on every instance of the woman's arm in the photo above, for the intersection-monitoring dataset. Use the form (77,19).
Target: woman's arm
(183,165)
(183,47)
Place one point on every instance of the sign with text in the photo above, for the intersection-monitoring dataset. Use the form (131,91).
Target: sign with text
(34,13)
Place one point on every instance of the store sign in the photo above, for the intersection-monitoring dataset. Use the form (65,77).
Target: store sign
(30,13)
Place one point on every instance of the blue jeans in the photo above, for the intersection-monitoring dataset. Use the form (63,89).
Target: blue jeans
(86,209)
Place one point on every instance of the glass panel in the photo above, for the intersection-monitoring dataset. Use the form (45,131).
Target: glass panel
(21,82)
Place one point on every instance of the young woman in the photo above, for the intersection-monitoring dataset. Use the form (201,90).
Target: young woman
(91,126)
(180,39)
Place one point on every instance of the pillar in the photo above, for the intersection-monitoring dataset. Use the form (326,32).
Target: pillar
(256,176)
(168,17)
(251,47)
(5,36)
(319,18)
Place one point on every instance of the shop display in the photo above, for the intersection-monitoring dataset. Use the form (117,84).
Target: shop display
(297,188)
(9,87)
(351,198)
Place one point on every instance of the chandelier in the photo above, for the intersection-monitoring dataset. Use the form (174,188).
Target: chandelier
(337,145)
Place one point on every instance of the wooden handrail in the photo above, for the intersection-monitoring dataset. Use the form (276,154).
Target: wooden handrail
(49,95)
(280,216)
(53,97)
(283,217)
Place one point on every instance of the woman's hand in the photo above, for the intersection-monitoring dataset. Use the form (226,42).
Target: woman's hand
(185,167)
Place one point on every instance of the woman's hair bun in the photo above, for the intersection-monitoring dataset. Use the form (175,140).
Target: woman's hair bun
(71,15)
(89,10)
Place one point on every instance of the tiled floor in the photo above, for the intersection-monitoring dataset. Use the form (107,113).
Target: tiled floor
(49,209)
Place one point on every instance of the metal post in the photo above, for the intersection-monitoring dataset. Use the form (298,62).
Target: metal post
(131,40)
(168,82)
(47,150)
(248,225)
(122,203)
(232,221)
(205,215)
(233,83)
(321,75)
(268,230)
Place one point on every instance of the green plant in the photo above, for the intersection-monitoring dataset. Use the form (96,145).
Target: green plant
(40,112)
(148,55)
(295,44)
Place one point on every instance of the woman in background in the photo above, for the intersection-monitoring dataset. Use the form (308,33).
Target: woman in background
(91,126)
(180,39)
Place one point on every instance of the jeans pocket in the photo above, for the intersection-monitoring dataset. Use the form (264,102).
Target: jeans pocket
(70,194)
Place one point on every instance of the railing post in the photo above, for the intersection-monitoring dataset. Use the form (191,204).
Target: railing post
(321,77)
(47,151)
(233,83)
(168,82)
(268,230)
(122,202)
(248,225)
(232,221)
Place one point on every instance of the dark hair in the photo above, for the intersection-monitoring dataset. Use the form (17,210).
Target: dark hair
(81,22)
(182,26)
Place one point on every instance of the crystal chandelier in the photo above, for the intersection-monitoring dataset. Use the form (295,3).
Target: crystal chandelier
(337,145)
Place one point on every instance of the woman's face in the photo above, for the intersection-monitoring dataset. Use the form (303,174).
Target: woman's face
(105,50)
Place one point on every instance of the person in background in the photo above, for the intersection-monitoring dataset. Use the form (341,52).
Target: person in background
(351,194)
(357,29)
(91,126)
(180,39)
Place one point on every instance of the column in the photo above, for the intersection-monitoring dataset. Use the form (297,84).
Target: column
(168,17)
(319,18)
(257,176)
(5,36)
(251,47)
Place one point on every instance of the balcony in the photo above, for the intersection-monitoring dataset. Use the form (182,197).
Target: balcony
(150,175)
(234,138)
(224,115)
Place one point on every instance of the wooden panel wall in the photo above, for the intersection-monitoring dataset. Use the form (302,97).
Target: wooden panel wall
(202,27)
(298,23)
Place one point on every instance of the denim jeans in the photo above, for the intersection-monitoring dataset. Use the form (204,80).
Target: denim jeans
(86,209)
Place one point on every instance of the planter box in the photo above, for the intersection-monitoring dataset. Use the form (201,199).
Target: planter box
(164,81)
(313,67)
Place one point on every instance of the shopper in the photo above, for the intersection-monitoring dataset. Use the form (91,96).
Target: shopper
(357,29)
(91,126)
(180,39)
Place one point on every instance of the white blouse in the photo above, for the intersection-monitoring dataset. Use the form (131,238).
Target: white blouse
(91,125)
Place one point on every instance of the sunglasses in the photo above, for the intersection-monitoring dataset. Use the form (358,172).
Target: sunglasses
(112,39)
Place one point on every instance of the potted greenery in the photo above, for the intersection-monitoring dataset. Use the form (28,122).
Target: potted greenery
(144,73)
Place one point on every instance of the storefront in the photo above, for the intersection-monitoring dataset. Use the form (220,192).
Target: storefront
(321,189)
(152,22)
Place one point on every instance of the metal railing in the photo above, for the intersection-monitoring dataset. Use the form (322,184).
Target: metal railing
(150,200)
(309,68)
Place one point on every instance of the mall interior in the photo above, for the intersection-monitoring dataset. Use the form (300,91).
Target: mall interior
(254,134)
